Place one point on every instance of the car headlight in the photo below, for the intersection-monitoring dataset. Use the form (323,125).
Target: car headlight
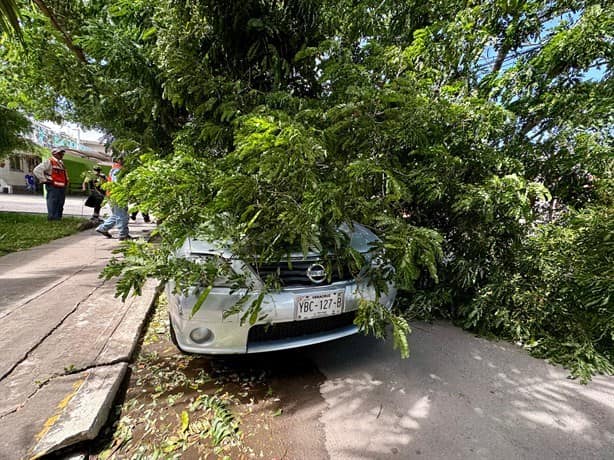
(381,264)
(224,272)
(377,260)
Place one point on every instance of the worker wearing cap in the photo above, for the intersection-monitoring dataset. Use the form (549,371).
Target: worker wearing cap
(52,173)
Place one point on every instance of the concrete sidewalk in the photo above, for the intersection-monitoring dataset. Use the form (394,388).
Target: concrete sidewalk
(65,342)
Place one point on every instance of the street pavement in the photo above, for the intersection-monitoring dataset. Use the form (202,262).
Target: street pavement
(30,203)
(457,396)
(65,340)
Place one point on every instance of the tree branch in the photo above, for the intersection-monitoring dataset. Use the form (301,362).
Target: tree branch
(501,55)
(77,51)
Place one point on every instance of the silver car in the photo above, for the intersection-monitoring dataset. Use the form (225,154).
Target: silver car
(312,306)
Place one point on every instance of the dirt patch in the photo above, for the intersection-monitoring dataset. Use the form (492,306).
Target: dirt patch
(191,407)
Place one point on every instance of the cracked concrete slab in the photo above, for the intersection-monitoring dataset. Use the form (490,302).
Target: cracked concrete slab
(37,318)
(82,412)
(123,342)
(64,349)
(101,329)
(75,407)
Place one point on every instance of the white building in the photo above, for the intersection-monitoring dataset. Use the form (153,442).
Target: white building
(13,170)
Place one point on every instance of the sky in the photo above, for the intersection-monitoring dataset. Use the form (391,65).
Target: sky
(75,131)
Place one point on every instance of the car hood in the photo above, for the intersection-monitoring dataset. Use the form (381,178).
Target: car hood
(361,240)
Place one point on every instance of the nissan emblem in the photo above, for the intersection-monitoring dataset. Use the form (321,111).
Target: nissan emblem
(316,273)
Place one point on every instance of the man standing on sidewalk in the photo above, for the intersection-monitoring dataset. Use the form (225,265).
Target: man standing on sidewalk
(52,173)
(119,214)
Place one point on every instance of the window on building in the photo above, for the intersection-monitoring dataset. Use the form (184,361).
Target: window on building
(32,162)
(15,162)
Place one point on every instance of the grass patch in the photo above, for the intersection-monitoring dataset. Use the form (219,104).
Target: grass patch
(22,231)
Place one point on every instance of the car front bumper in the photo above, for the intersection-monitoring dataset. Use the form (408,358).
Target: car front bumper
(229,336)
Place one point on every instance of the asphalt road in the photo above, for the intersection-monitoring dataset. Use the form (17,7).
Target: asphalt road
(36,204)
(457,397)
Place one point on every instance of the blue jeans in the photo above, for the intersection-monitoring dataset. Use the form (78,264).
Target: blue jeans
(55,202)
(119,217)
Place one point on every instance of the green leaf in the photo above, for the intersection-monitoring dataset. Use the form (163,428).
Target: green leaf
(201,299)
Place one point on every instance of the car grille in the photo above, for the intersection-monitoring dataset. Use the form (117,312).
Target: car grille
(294,329)
(295,273)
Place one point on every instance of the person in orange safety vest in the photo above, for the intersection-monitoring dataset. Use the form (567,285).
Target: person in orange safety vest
(53,175)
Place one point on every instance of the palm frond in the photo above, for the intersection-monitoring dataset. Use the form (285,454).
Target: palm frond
(9,17)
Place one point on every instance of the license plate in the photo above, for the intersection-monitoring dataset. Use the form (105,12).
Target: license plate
(321,304)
